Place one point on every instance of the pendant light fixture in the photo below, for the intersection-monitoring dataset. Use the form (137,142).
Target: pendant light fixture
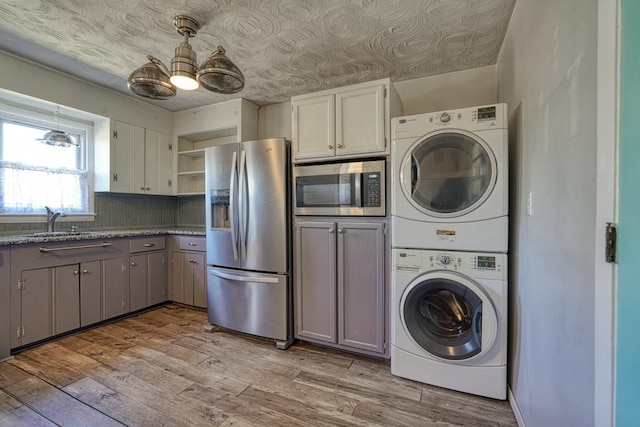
(217,73)
(57,137)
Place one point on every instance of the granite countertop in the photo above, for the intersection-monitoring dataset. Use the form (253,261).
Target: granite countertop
(98,234)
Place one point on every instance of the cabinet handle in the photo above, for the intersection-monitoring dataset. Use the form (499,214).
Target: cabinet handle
(75,271)
(331,230)
(340,230)
(45,249)
(193,261)
(148,188)
(133,264)
(149,245)
(340,146)
(331,147)
(192,244)
(85,271)
(142,188)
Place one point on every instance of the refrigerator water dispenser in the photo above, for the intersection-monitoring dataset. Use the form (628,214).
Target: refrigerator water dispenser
(219,208)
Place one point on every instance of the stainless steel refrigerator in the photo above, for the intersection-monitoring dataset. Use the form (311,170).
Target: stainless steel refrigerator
(248,227)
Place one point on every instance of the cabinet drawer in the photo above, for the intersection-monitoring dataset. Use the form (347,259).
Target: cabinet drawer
(145,244)
(191,243)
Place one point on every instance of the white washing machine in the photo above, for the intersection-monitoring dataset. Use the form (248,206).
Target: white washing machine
(449,185)
(449,320)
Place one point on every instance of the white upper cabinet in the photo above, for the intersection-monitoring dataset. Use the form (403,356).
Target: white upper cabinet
(352,121)
(132,159)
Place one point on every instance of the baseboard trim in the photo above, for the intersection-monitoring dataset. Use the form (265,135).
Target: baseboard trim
(515,408)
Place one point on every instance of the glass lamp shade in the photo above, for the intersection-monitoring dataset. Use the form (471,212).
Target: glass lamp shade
(150,81)
(219,74)
(58,138)
(184,81)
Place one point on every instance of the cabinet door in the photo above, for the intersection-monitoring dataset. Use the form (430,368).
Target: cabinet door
(315,277)
(177,274)
(361,281)
(187,277)
(120,157)
(198,273)
(36,306)
(313,127)
(115,287)
(136,155)
(156,278)
(66,298)
(90,293)
(138,282)
(360,121)
(165,168)
(151,161)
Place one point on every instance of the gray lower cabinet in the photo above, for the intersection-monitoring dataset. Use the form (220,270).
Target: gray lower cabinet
(5,302)
(188,278)
(147,272)
(31,308)
(115,287)
(340,284)
(147,279)
(188,270)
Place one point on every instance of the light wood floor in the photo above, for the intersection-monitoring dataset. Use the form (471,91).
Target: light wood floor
(161,369)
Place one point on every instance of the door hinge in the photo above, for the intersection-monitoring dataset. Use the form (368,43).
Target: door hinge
(385,92)
(115,177)
(385,142)
(170,147)
(124,266)
(611,238)
(115,134)
(169,182)
(20,332)
(21,284)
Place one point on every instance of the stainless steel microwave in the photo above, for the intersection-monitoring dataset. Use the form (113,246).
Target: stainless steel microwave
(340,189)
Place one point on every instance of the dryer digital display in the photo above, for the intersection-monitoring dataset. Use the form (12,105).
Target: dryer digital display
(486,113)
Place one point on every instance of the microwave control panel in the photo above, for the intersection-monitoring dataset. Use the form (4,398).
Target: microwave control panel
(372,189)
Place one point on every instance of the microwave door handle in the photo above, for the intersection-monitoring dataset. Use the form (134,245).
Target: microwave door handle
(358,190)
(242,203)
(232,205)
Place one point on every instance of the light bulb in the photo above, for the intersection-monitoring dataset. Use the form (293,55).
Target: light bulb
(184,82)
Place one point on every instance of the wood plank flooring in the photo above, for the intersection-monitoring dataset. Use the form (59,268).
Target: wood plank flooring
(160,368)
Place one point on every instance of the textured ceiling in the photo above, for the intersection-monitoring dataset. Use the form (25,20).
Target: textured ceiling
(283,47)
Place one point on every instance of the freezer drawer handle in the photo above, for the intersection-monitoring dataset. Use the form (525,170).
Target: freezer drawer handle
(68,248)
(244,278)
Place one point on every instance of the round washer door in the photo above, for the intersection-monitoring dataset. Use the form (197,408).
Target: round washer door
(449,316)
(448,173)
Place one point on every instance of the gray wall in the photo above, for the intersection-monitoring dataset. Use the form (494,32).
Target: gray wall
(547,73)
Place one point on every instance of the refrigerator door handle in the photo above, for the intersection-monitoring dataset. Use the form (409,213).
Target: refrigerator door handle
(243,278)
(232,204)
(242,203)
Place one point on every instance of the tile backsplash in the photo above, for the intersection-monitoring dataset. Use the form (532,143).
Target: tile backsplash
(121,211)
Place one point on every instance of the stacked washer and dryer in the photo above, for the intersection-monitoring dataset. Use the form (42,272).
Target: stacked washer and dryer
(449,221)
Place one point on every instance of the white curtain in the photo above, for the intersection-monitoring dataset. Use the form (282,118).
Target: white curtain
(27,188)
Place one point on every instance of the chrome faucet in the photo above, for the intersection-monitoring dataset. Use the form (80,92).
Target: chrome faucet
(51,218)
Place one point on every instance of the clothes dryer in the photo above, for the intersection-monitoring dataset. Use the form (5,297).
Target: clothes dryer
(449,173)
(449,320)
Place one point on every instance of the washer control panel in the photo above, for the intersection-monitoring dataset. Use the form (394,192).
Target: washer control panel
(472,264)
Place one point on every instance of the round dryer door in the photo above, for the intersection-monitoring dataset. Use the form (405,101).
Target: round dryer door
(448,173)
(449,316)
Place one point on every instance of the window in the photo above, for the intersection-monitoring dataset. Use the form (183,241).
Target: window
(34,175)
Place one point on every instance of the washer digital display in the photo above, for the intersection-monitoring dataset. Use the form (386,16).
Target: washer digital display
(486,262)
